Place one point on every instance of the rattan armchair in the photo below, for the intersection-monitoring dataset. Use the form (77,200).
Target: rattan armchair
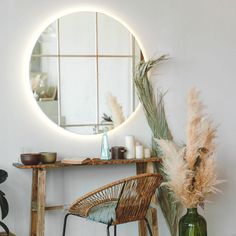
(120,202)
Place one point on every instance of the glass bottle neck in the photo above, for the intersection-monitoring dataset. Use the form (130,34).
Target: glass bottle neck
(192,210)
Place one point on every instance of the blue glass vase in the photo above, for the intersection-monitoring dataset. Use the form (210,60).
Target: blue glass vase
(192,224)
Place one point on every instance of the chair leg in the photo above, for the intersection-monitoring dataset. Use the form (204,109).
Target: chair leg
(108,231)
(64,226)
(114,230)
(148,226)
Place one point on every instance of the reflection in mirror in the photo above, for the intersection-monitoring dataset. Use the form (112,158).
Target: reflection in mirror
(81,72)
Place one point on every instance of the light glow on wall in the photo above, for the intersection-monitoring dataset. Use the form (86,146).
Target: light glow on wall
(27,87)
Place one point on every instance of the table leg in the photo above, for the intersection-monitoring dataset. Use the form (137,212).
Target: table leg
(154,225)
(34,191)
(142,228)
(41,196)
(152,213)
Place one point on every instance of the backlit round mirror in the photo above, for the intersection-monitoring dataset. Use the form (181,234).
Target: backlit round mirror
(81,72)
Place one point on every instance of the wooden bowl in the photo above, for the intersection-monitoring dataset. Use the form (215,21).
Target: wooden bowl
(48,157)
(30,158)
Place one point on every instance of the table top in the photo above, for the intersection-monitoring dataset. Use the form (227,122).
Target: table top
(92,162)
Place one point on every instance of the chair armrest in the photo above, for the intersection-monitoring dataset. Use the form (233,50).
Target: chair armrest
(107,193)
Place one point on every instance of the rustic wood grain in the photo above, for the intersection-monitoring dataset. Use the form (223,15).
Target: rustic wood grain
(53,208)
(154,221)
(142,229)
(49,208)
(41,201)
(5,234)
(58,164)
(34,192)
(152,213)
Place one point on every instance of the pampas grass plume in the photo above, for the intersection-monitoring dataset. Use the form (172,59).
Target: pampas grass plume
(116,110)
(191,170)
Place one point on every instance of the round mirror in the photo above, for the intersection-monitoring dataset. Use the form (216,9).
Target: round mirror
(81,72)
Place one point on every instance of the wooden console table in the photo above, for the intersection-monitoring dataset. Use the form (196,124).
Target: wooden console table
(38,195)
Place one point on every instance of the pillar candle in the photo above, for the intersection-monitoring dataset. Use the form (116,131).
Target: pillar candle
(147,153)
(139,151)
(129,143)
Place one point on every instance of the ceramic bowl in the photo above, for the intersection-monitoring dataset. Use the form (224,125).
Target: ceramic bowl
(30,158)
(48,157)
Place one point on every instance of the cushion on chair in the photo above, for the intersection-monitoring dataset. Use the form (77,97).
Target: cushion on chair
(103,213)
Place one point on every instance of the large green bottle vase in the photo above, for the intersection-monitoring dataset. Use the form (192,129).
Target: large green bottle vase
(192,224)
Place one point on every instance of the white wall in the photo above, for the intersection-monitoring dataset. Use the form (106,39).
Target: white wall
(200,38)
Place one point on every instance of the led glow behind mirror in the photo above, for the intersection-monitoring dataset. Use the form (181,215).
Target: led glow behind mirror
(81,72)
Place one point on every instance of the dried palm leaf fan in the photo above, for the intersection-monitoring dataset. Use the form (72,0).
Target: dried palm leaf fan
(154,109)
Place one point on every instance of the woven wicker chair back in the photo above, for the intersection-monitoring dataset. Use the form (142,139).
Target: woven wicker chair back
(135,198)
(132,197)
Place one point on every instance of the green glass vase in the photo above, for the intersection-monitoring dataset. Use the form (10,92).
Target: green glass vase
(192,224)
